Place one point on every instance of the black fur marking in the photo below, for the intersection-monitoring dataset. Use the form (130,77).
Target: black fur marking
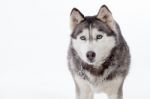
(100,71)
(95,23)
(116,58)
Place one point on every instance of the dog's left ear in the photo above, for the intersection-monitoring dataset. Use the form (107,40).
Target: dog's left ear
(76,17)
(105,16)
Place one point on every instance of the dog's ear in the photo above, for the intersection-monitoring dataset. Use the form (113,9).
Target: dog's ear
(105,16)
(76,17)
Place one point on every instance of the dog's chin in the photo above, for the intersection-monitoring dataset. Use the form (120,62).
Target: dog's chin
(91,62)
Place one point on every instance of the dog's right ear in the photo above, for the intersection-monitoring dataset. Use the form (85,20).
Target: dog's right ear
(76,17)
(105,15)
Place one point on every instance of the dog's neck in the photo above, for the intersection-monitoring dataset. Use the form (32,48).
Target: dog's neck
(97,71)
(94,70)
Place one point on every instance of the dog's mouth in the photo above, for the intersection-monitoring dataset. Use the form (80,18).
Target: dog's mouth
(91,61)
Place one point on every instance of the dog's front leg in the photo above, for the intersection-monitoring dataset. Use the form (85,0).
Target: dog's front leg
(86,94)
(83,90)
(118,95)
(83,93)
(115,96)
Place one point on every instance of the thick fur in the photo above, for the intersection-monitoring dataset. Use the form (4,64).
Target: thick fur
(111,64)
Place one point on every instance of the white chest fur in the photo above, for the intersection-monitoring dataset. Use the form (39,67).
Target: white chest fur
(99,85)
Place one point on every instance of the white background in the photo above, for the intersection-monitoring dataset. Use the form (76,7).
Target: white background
(34,38)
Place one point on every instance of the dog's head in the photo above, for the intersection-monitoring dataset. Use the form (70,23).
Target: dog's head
(93,37)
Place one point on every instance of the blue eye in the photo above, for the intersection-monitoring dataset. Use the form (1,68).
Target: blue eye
(99,37)
(83,38)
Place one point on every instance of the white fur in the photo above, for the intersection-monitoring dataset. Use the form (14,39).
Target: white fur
(109,87)
(101,47)
(85,88)
(114,96)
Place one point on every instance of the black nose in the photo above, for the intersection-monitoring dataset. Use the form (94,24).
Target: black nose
(90,55)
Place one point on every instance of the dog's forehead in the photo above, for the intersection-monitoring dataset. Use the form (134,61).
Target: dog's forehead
(91,23)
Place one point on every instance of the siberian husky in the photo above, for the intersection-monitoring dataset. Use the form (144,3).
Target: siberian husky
(98,55)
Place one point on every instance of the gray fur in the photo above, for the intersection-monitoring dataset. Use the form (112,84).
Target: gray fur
(115,65)
(94,22)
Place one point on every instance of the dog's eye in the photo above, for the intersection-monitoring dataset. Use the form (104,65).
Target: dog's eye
(83,38)
(99,37)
